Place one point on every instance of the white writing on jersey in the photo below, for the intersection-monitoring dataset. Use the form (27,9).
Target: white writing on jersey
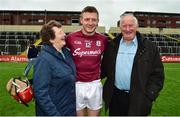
(78,52)
(77,42)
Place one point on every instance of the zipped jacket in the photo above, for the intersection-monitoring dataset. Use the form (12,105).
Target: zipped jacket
(54,83)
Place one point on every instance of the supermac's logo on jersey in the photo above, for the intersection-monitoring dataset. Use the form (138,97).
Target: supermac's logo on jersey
(98,43)
(80,53)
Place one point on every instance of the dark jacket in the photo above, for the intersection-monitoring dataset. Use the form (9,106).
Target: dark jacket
(54,83)
(32,52)
(147,76)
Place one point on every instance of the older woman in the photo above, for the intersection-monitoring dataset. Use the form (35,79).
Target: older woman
(54,75)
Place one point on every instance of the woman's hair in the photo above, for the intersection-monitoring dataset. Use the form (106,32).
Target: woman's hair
(47,33)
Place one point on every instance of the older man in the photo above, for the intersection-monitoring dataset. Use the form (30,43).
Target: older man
(134,71)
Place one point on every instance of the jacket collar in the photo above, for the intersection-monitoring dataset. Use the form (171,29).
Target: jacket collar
(50,49)
(141,45)
(140,40)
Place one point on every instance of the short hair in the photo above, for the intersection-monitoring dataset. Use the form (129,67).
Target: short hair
(90,9)
(128,14)
(47,32)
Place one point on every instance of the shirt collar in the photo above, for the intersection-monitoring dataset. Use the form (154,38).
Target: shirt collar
(134,41)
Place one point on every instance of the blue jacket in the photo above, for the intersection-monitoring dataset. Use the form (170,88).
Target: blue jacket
(54,83)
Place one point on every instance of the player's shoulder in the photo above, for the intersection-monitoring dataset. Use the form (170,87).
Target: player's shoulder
(78,32)
(101,35)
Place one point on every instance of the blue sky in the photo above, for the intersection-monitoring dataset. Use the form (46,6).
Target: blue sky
(110,10)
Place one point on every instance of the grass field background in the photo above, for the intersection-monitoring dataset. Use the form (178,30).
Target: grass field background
(167,104)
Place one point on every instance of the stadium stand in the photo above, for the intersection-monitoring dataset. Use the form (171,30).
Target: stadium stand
(18,27)
(14,39)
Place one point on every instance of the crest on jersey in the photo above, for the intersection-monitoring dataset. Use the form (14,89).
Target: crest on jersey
(98,43)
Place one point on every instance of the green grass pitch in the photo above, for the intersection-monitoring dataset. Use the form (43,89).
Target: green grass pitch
(167,104)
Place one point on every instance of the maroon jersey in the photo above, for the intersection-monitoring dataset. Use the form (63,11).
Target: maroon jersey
(87,52)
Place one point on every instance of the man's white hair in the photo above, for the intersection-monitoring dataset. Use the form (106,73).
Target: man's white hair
(128,14)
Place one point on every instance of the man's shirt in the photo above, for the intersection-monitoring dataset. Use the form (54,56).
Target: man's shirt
(124,63)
